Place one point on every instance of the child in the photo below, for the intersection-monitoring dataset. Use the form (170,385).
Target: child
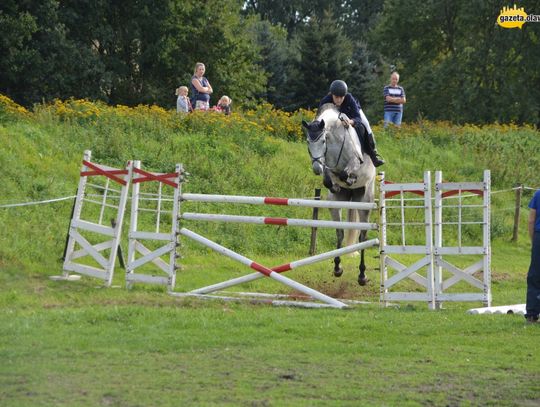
(182,103)
(224,105)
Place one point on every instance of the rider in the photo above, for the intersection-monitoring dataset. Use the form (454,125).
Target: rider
(348,104)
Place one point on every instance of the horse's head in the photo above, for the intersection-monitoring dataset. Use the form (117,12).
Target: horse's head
(316,139)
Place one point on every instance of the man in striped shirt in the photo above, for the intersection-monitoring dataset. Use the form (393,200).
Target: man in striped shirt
(394,98)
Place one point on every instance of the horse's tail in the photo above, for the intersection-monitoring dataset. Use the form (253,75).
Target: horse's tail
(351,236)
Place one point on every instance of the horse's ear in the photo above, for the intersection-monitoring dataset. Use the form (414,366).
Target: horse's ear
(321,124)
(305,124)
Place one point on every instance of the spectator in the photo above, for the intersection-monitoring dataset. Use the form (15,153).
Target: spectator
(394,98)
(224,105)
(347,103)
(533,277)
(183,104)
(201,88)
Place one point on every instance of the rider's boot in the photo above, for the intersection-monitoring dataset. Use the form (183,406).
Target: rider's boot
(375,157)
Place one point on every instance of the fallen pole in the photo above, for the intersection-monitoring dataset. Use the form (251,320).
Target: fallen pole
(288,266)
(262,269)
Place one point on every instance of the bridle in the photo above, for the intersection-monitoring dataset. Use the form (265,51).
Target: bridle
(314,140)
(318,159)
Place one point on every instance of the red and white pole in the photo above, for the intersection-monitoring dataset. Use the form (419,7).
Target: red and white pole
(259,220)
(256,200)
(262,269)
(288,266)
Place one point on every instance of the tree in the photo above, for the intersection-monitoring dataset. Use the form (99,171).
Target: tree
(275,59)
(216,36)
(290,14)
(39,61)
(324,54)
(126,52)
(358,16)
(300,19)
(458,64)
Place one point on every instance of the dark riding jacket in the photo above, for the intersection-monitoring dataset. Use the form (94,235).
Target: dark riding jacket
(350,106)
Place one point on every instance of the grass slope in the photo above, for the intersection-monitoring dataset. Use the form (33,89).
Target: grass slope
(75,344)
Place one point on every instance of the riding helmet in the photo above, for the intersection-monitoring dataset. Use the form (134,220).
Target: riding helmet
(338,88)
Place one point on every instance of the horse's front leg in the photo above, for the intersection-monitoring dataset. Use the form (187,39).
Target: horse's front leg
(336,216)
(362,280)
(329,182)
(338,270)
(348,174)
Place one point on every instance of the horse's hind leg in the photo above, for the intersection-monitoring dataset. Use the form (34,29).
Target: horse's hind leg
(338,270)
(363,195)
(362,280)
(336,216)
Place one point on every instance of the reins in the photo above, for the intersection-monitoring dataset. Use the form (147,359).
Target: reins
(341,149)
(317,159)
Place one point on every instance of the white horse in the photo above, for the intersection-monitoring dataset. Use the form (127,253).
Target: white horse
(348,173)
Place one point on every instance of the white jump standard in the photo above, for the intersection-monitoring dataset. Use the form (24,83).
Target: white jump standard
(481,287)
(434,284)
(79,227)
(412,273)
(168,241)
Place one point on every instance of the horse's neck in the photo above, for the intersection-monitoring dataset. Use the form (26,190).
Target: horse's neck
(328,113)
(336,132)
(345,148)
(343,141)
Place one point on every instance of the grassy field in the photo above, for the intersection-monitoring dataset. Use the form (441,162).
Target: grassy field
(77,344)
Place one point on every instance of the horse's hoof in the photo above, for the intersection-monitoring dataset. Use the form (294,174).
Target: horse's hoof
(343,176)
(362,280)
(338,272)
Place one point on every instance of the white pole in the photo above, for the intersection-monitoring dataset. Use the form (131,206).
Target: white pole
(438,237)
(402,211)
(255,200)
(278,221)
(264,270)
(285,267)
(486,238)
(429,240)
(76,213)
(174,236)
(158,209)
(382,234)
(119,222)
(103,202)
(133,225)
(459,222)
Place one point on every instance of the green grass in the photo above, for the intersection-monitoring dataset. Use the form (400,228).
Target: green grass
(76,344)
(192,353)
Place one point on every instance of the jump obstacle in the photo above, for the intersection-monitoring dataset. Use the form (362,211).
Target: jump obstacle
(80,229)
(160,194)
(438,273)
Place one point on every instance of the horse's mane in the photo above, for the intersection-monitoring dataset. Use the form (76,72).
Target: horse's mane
(325,107)
(328,112)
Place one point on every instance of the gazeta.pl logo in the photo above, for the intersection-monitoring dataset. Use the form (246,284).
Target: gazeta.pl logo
(515,17)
